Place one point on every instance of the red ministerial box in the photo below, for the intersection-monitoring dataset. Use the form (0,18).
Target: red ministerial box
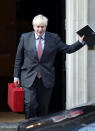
(15,98)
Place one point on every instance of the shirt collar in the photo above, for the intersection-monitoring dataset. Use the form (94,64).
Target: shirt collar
(37,37)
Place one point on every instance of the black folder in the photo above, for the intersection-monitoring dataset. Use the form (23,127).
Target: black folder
(89,35)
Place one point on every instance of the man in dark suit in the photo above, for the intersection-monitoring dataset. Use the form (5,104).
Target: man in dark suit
(34,65)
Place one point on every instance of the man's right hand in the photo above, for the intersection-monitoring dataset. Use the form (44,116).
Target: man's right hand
(16,82)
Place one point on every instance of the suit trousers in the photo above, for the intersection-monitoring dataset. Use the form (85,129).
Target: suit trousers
(37,99)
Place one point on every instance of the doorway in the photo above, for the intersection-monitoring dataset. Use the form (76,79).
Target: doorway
(55,11)
(17,24)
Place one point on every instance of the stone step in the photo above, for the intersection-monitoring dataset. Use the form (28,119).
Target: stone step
(8,126)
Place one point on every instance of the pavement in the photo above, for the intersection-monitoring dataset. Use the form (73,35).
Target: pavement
(4,126)
(9,120)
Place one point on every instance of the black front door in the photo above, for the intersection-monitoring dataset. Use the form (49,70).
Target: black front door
(16,19)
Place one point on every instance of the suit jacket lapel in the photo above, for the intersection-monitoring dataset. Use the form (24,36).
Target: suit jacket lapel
(46,44)
(33,45)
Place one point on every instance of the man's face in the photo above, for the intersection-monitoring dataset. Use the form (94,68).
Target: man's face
(39,29)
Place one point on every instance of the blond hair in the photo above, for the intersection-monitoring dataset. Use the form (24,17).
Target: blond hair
(40,20)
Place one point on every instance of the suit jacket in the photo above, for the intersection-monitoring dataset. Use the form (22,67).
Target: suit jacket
(27,63)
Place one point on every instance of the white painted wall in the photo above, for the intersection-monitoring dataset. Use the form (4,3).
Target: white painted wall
(91,75)
(91,54)
(76,63)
